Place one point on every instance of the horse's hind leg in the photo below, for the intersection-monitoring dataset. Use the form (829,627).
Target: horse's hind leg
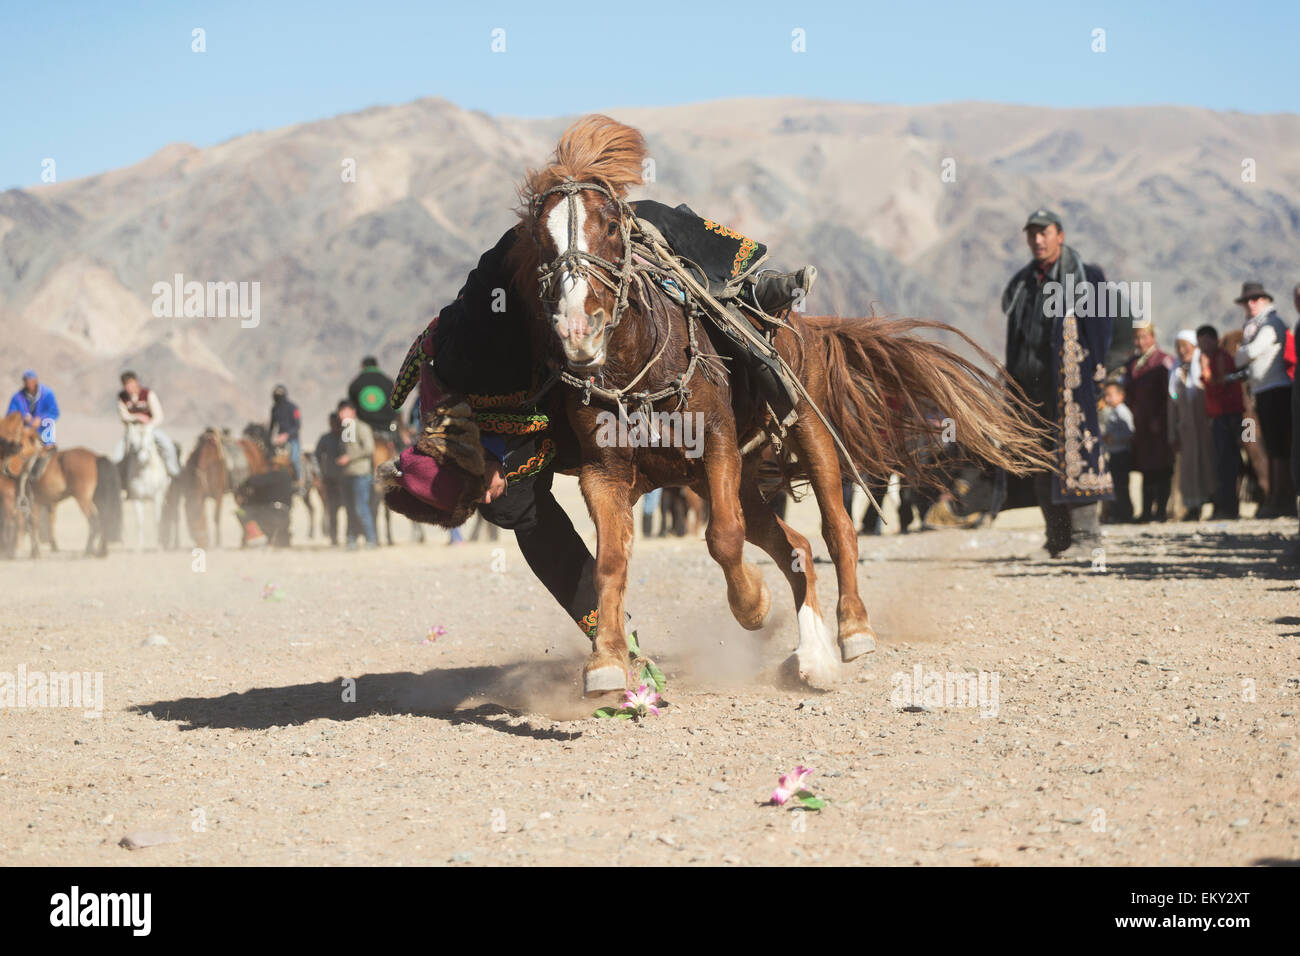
(817,449)
(31,518)
(96,532)
(725,535)
(815,656)
(611,510)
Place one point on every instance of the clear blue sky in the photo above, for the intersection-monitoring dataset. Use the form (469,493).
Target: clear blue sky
(96,85)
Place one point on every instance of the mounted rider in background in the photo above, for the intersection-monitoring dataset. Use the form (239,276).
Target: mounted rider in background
(286,420)
(136,403)
(38,406)
(40,410)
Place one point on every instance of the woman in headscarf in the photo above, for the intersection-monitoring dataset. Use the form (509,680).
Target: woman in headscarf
(1189,428)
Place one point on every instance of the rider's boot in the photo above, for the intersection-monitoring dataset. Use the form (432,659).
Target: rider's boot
(39,463)
(777,291)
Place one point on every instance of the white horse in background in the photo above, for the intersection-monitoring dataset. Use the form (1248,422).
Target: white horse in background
(146,475)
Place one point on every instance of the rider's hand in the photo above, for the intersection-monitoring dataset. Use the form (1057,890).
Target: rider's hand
(496,479)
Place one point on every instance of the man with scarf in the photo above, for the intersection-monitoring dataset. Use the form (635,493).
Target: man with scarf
(1058,340)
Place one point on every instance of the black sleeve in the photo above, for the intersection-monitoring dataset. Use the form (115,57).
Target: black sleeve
(477,348)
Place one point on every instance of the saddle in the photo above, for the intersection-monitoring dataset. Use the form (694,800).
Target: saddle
(238,469)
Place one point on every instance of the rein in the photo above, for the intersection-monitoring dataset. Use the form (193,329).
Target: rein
(637,262)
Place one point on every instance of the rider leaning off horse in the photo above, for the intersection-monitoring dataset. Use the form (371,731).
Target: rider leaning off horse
(136,403)
(478,347)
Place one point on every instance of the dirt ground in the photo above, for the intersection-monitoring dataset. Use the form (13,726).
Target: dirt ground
(1145,713)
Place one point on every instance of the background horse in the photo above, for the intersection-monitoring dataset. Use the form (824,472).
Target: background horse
(146,477)
(89,478)
(219,463)
(600,311)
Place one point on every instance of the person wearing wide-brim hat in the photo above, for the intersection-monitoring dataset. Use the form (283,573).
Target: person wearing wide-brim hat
(1262,353)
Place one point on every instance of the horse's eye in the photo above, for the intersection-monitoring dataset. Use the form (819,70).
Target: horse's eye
(612,229)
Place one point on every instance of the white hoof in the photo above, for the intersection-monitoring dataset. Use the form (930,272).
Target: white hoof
(816,656)
(602,680)
(815,667)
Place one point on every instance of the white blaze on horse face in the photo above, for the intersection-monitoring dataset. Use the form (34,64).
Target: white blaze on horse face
(570,316)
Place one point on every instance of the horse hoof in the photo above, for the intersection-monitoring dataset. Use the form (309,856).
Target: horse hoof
(602,680)
(754,621)
(855,645)
(814,667)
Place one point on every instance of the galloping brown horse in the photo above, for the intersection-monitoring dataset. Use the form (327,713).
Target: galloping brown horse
(602,314)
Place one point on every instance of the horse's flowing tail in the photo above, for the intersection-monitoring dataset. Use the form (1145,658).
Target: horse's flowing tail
(899,401)
(108,498)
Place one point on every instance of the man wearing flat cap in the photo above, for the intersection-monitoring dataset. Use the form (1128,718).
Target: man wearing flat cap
(1057,352)
(1263,342)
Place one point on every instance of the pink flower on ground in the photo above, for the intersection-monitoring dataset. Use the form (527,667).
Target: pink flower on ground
(789,784)
(643,700)
(435,632)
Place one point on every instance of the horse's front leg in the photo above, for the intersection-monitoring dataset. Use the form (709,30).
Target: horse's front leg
(609,501)
(747,594)
(817,448)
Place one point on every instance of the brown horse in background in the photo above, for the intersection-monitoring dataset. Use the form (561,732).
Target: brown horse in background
(209,473)
(876,380)
(72,473)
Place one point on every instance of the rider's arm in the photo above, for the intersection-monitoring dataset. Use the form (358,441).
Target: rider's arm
(122,412)
(155,408)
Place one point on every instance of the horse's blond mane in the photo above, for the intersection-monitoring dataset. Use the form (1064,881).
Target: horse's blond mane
(593,149)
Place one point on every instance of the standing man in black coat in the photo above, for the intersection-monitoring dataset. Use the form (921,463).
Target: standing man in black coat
(1058,352)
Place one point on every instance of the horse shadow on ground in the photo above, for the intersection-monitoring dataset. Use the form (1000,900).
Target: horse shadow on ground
(1203,557)
(1288,620)
(490,697)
